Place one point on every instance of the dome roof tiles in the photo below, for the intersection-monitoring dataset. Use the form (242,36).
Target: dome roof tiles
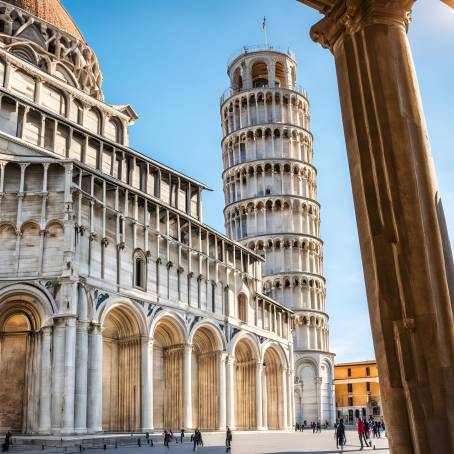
(51,11)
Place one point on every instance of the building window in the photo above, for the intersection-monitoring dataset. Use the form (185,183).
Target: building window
(139,270)
(349,372)
(350,401)
(242,308)
(368,387)
(367,371)
(350,387)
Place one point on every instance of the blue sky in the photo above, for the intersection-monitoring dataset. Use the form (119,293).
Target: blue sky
(168,60)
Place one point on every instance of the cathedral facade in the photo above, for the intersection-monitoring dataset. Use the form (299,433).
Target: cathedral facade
(120,309)
(271,207)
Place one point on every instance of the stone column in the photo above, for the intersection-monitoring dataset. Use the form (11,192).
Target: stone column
(231,392)
(284,398)
(69,377)
(222,391)
(94,406)
(265,401)
(46,380)
(405,248)
(80,404)
(58,374)
(187,403)
(259,395)
(147,383)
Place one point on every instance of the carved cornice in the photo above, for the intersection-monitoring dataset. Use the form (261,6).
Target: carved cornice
(350,16)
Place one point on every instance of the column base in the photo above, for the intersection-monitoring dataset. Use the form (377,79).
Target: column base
(80,431)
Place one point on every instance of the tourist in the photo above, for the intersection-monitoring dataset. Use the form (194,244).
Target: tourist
(228,440)
(181,436)
(196,439)
(166,439)
(362,433)
(340,435)
(8,441)
(319,427)
(314,426)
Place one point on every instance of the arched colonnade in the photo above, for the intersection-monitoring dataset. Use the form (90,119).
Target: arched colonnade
(269,178)
(274,142)
(117,369)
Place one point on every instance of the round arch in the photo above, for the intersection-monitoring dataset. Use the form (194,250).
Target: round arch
(207,345)
(122,332)
(24,310)
(169,345)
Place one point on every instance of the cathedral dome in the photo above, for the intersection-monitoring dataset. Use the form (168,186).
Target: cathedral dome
(51,11)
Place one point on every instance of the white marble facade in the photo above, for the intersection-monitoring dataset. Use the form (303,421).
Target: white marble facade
(119,308)
(271,207)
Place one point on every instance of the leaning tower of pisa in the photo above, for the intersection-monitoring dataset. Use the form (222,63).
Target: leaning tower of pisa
(271,207)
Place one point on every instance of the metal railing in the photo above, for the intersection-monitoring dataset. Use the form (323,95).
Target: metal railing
(258,48)
(235,91)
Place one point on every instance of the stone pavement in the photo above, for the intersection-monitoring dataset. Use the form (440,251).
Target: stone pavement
(249,443)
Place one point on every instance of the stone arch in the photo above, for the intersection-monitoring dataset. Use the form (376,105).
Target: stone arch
(246,355)
(93,120)
(24,310)
(122,331)
(259,73)
(169,341)
(53,248)
(8,240)
(273,370)
(207,344)
(326,390)
(29,247)
(242,309)
(307,405)
(62,72)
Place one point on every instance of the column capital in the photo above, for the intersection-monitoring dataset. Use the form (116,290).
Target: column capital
(351,16)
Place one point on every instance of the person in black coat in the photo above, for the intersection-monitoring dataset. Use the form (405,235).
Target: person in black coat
(340,435)
(228,440)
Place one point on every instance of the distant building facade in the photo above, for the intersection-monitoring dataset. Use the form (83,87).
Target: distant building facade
(271,207)
(357,391)
(120,310)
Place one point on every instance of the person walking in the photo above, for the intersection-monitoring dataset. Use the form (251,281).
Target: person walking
(166,439)
(181,436)
(196,439)
(362,433)
(228,440)
(319,427)
(313,427)
(340,435)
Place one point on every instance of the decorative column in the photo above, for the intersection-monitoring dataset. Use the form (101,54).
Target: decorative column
(284,397)
(80,404)
(265,400)
(58,379)
(231,392)
(46,380)
(146,384)
(406,255)
(94,407)
(259,395)
(222,391)
(69,375)
(187,404)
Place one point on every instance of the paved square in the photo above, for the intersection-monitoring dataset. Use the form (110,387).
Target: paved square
(252,443)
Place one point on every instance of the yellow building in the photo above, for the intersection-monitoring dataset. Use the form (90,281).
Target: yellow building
(357,391)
